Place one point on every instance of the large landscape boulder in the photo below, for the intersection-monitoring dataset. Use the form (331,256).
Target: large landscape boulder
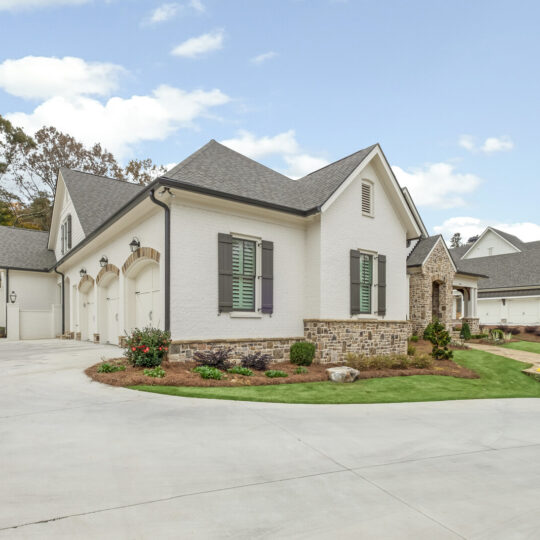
(342,374)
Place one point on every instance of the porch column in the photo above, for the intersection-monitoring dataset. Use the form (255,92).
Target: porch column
(474,302)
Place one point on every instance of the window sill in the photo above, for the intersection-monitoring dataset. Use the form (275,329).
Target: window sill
(245,315)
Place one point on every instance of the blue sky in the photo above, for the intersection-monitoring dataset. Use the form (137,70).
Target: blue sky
(449,89)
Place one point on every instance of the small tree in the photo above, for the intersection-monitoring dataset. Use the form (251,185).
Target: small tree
(456,240)
(440,338)
(465,331)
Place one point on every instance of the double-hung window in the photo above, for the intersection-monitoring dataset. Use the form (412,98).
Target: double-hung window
(244,270)
(366,282)
(65,234)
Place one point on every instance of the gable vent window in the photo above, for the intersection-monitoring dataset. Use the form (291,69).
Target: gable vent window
(367,199)
(244,257)
(65,235)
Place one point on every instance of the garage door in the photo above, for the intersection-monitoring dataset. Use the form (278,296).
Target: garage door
(87,317)
(489,311)
(147,297)
(112,301)
(523,310)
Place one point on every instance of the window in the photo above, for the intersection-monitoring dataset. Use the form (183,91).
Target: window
(490,251)
(62,237)
(367,199)
(244,257)
(366,282)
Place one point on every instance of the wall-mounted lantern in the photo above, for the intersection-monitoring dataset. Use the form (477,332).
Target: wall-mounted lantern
(135,244)
(103,261)
(12,297)
(82,272)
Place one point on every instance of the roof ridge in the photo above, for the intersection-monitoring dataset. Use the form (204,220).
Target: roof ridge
(97,175)
(341,159)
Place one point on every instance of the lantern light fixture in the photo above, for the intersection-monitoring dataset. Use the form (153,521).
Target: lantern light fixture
(13,297)
(82,272)
(104,261)
(135,244)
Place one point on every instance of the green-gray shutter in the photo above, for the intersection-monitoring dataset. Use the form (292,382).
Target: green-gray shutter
(355,281)
(381,284)
(267,286)
(225,286)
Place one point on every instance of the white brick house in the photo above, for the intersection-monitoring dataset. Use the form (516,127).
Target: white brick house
(222,248)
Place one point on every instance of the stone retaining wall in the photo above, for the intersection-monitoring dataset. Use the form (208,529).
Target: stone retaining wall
(335,338)
(474,324)
(278,348)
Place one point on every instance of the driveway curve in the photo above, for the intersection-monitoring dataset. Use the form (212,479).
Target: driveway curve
(82,460)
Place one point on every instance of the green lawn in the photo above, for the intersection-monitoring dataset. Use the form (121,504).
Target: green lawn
(499,378)
(529,346)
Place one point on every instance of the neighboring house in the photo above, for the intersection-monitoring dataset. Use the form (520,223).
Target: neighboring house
(225,251)
(511,293)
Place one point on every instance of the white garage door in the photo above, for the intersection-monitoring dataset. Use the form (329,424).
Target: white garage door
(523,310)
(147,305)
(87,317)
(112,300)
(489,311)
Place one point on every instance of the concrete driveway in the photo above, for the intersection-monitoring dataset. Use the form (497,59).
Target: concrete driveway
(82,460)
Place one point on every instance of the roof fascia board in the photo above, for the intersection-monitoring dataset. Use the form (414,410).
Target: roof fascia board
(519,288)
(19,269)
(55,219)
(415,212)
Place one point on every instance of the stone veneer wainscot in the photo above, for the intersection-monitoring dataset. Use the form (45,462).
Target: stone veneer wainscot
(335,338)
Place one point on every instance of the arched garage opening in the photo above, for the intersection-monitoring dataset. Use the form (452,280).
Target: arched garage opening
(86,308)
(143,289)
(108,293)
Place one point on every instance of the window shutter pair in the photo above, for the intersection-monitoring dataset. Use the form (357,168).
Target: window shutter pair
(225,274)
(357,280)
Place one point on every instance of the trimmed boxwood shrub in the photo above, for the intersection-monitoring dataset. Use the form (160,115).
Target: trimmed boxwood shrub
(147,347)
(465,331)
(302,353)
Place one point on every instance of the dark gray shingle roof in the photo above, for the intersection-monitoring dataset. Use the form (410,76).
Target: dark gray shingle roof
(96,198)
(514,240)
(218,168)
(25,249)
(422,249)
(508,270)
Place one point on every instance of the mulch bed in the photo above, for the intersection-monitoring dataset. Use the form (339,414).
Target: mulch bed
(180,374)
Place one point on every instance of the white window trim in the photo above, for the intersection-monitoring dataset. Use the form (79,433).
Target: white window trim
(374,285)
(256,314)
(371,185)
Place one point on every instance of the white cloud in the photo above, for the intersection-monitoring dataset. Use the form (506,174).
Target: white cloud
(20,5)
(497,144)
(40,77)
(200,45)
(263,57)
(437,184)
(489,146)
(283,145)
(164,12)
(120,123)
(197,5)
(467,142)
(470,226)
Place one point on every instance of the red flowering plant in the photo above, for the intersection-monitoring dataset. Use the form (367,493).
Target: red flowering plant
(147,347)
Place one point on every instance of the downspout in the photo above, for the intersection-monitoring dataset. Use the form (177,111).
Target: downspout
(7,298)
(63,303)
(167,259)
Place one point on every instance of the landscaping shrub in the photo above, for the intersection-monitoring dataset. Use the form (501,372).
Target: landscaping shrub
(379,362)
(218,358)
(537,333)
(157,372)
(301,370)
(411,350)
(465,331)
(528,329)
(106,367)
(440,338)
(208,372)
(514,330)
(399,361)
(503,328)
(239,370)
(422,361)
(147,347)
(496,334)
(479,336)
(414,338)
(257,361)
(274,373)
(302,353)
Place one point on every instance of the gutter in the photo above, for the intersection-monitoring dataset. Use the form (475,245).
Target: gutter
(63,302)
(167,258)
